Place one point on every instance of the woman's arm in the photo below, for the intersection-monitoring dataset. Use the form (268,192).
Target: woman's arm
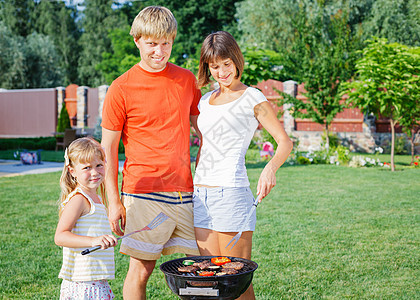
(268,119)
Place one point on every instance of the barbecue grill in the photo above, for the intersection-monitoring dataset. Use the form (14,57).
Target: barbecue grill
(189,286)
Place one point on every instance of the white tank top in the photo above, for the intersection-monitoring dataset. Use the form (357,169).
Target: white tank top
(97,265)
(227,131)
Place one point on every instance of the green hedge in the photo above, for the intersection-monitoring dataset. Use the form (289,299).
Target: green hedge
(44,143)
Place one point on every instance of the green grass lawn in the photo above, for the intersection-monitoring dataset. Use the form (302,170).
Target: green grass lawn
(325,232)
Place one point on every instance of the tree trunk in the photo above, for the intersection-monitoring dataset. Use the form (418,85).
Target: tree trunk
(327,137)
(413,136)
(392,144)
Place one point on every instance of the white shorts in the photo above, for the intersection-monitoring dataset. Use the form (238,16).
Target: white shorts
(223,209)
(85,290)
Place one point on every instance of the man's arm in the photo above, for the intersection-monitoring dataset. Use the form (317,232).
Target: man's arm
(116,211)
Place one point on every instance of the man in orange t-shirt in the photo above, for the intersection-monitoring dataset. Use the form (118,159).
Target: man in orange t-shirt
(150,107)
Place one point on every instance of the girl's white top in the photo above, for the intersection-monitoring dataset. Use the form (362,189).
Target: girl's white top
(227,131)
(96,265)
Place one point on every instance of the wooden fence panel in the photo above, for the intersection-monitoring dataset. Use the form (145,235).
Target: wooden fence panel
(28,113)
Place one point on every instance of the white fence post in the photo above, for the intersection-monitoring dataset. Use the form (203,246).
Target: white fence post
(290,88)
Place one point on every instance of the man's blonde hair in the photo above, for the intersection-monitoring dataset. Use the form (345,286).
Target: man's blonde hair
(154,21)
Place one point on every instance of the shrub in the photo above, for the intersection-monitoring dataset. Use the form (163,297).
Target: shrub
(302,160)
(44,143)
(333,139)
(361,161)
(401,145)
(63,120)
(343,154)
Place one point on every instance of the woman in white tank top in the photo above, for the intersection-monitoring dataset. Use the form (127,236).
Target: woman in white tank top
(227,122)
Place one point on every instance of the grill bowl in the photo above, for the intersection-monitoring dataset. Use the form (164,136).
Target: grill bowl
(189,286)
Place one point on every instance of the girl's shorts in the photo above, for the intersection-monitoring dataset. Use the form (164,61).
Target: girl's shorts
(84,290)
(223,209)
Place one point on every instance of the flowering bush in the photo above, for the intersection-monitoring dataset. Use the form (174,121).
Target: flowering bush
(338,155)
(416,163)
(361,161)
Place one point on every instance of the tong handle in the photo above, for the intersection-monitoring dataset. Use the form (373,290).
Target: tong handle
(257,201)
(89,250)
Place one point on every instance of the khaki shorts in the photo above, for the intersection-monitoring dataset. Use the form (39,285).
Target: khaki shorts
(175,235)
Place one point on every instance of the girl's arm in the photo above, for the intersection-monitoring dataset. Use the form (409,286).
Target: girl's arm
(74,209)
(268,119)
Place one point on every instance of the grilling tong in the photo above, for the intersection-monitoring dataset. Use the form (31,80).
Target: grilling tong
(160,218)
(235,239)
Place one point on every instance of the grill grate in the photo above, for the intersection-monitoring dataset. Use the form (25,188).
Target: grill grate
(189,286)
(172,266)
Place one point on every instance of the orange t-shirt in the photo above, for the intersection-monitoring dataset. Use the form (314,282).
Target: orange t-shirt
(153,112)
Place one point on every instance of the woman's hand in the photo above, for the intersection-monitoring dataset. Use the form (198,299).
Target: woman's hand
(266,182)
(105,241)
(268,119)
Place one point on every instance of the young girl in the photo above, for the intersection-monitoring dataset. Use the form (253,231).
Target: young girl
(83,223)
(228,119)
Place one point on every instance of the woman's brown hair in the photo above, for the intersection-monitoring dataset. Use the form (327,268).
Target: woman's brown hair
(219,45)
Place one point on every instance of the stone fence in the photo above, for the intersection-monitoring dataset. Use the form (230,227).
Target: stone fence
(34,113)
(359,132)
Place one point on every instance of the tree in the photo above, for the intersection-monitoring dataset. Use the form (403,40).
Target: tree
(387,84)
(63,120)
(57,21)
(261,64)
(98,19)
(196,19)
(124,54)
(12,59)
(17,15)
(30,62)
(395,20)
(323,53)
(269,23)
(43,62)
(266,23)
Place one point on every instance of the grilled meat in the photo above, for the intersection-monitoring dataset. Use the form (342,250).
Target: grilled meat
(233,265)
(187,269)
(226,271)
(202,265)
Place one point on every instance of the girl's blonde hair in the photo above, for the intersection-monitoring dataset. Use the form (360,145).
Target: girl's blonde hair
(219,45)
(154,21)
(82,150)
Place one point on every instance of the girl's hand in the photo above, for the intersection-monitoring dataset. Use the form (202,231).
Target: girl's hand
(105,241)
(266,182)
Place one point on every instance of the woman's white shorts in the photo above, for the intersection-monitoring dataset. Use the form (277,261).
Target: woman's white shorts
(223,209)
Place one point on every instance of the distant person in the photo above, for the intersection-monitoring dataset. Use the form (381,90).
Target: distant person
(84,223)
(229,116)
(150,107)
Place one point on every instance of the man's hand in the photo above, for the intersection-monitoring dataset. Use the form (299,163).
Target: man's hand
(117,218)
